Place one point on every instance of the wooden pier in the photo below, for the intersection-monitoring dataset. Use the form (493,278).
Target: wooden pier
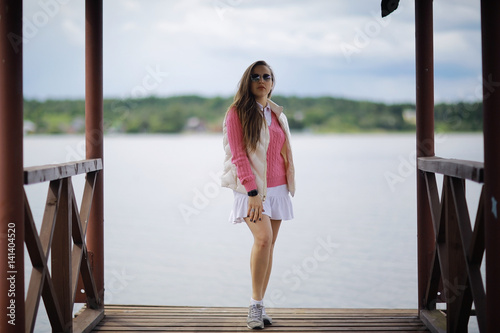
(135,318)
(67,252)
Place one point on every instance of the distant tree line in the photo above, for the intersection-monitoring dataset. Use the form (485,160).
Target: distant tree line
(194,113)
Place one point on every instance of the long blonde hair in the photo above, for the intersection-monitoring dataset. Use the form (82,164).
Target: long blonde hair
(246,107)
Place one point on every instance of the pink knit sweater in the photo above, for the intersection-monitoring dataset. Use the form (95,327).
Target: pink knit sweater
(276,170)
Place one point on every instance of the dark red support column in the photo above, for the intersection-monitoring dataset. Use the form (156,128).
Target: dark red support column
(12,314)
(490,31)
(425,136)
(94,133)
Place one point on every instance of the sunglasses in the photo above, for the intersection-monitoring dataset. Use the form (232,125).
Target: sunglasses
(256,77)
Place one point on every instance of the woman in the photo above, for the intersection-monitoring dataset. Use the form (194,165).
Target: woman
(259,168)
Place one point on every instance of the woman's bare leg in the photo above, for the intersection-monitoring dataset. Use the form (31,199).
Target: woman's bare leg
(275,225)
(261,253)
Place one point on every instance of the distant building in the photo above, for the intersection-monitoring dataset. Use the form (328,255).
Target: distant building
(28,127)
(410,116)
(195,124)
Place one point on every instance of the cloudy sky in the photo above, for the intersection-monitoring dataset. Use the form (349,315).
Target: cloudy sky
(338,48)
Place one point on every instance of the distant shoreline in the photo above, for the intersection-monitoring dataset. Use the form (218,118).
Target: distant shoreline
(180,114)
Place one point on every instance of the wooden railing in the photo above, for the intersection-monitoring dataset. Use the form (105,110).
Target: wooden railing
(455,276)
(62,236)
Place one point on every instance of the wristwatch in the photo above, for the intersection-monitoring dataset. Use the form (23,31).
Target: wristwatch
(252,193)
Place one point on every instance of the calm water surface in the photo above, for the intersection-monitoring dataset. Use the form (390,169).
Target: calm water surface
(168,240)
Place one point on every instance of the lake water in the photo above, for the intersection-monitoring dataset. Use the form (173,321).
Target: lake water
(168,240)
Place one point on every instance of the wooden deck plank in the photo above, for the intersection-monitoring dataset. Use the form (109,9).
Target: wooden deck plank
(138,318)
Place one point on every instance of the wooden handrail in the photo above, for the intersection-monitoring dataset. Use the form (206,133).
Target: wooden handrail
(45,173)
(459,246)
(62,236)
(462,169)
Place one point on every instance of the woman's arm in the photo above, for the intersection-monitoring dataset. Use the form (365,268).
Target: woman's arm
(243,169)
(239,152)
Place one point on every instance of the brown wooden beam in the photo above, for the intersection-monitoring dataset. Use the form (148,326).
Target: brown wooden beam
(462,169)
(434,285)
(457,289)
(12,310)
(87,320)
(490,35)
(472,244)
(50,172)
(94,133)
(61,255)
(434,319)
(425,137)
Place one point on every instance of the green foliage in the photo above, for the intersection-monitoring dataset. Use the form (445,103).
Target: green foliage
(459,117)
(194,113)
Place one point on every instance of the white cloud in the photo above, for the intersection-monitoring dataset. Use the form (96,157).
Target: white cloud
(75,32)
(131,5)
(206,45)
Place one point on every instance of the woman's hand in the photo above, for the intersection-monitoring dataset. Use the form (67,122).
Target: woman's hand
(255,208)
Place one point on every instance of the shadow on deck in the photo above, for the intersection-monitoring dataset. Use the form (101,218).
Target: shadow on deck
(138,318)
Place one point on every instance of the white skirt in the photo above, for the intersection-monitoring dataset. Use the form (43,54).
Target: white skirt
(278,205)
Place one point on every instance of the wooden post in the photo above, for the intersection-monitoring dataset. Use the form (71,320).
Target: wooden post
(61,256)
(425,136)
(12,313)
(94,134)
(490,35)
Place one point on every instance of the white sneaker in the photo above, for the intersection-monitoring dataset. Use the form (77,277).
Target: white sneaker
(254,319)
(267,319)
